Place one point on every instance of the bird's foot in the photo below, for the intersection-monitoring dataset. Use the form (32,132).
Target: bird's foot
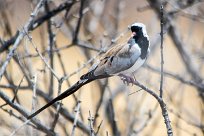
(127,79)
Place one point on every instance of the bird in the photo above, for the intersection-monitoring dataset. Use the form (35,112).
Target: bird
(120,60)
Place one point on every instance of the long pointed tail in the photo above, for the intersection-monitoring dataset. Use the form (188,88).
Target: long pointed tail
(66,93)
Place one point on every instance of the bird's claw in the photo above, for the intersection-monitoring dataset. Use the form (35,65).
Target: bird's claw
(126,79)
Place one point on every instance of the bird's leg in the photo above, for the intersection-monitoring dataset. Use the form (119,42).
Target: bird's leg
(134,77)
(126,79)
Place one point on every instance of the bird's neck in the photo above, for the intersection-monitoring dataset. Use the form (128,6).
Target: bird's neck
(143,43)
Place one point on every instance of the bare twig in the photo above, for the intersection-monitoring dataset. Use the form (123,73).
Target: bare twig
(75,38)
(25,113)
(80,43)
(56,117)
(34,98)
(111,118)
(76,118)
(198,125)
(16,90)
(43,59)
(51,46)
(175,76)
(63,111)
(134,92)
(21,118)
(176,37)
(162,105)
(103,87)
(161,49)
(21,35)
(91,119)
(150,116)
(59,105)
(99,127)
(18,129)
(34,103)
(37,22)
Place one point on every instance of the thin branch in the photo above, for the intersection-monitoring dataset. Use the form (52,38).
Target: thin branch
(43,59)
(176,37)
(18,129)
(38,22)
(34,99)
(185,55)
(80,43)
(75,38)
(11,86)
(59,105)
(56,117)
(99,127)
(64,112)
(9,79)
(161,49)
(21,35)
(111,118)
(17,88)
(103,87)
(91,119)
(150,116)
(162,105)
(175,76)
(51,46)
(21,118)
(201,125)
(25,113)
(76,118)
(182,8)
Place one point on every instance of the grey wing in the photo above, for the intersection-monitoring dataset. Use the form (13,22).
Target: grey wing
(122,59)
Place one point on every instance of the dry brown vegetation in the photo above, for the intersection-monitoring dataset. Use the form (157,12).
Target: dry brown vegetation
(45,46)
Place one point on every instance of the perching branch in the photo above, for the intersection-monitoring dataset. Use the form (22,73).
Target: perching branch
(162,105)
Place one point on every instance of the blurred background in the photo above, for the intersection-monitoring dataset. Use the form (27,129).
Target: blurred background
(66,37)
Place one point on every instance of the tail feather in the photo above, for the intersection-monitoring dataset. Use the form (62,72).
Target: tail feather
(89,75)
(84,79)
(66,93)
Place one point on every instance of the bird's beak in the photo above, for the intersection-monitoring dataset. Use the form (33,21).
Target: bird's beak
(133,34)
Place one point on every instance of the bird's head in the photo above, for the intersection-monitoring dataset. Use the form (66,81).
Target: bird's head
(138,29)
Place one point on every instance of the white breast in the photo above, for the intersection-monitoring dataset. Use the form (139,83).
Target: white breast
(136,66)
